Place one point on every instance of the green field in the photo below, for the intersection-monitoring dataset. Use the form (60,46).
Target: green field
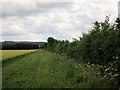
(13,53)
(43,69)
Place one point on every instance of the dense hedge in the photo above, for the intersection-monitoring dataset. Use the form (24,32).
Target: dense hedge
(101,45)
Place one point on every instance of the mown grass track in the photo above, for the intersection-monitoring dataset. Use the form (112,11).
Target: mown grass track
(43,69)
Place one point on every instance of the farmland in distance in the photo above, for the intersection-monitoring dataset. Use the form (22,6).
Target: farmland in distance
(13,53)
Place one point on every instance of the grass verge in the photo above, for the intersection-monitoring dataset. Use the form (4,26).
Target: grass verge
(44,69)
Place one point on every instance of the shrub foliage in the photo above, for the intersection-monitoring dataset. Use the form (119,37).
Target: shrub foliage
(101,45)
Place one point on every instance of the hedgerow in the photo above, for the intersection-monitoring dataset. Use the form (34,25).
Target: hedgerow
(101,45)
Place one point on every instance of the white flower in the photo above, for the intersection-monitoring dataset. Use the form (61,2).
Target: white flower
(75,66)
(116,75)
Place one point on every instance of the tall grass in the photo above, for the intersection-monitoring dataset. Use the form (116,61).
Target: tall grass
(44,69)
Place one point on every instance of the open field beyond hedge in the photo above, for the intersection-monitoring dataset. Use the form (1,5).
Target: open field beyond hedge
(13,53)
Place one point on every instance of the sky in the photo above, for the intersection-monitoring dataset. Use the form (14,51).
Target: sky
(36,20)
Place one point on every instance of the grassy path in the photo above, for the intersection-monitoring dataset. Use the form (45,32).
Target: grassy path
(44,69)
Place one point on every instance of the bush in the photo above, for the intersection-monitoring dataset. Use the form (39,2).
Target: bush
(100,46)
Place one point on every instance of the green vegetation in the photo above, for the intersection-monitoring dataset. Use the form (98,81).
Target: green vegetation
(93,61)
(43,69)
(11,45)
(99,46)
(13,53)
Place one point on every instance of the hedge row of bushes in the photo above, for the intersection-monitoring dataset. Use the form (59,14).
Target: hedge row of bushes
(101,45)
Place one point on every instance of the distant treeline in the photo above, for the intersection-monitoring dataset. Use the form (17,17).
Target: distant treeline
(10,45)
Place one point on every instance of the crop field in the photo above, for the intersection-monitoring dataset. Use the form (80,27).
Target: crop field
(13,53)
(43,69)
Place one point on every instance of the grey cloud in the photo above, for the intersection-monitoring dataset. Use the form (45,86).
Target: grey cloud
(29,8)
(10,34)
(51,5)
(65,20)
(49,30)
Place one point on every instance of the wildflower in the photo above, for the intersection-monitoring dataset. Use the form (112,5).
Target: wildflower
(116,57)
(115,69)
(88,62)
(88,65)
(97,65)
(106,69)
(98,73)
(75,66)
(116,75)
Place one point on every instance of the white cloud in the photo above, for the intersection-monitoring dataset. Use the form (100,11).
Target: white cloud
(36,20)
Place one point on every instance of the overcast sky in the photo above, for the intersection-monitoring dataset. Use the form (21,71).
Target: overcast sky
(35,20)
